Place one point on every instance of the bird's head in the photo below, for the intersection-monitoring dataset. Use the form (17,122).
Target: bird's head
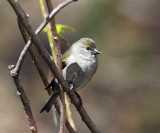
(85,47)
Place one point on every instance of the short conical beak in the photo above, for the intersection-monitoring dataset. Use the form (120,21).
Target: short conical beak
(96,51)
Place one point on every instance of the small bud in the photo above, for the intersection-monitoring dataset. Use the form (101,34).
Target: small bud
(27,15)
(18,93)
(55,38)
(32,128)
(10,67)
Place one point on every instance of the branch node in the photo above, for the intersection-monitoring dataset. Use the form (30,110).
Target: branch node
(18,93)
(55,38)
(32,128)
(13,72)
(15,1)
(27,16)
(10,67)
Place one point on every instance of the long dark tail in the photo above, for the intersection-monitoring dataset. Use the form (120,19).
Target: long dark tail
(52,97)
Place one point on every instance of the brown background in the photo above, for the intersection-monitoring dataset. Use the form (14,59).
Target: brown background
(124,94)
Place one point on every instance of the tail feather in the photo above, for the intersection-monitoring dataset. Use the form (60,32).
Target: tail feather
(50,84)
(52,97)
(50,102)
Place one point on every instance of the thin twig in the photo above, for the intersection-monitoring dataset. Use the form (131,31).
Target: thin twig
(24,99)
(48,30)
(41,72)
(43,52)
(39,29)
(59,64)
(33,55)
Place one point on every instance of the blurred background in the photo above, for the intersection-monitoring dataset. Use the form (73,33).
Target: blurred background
(124,94)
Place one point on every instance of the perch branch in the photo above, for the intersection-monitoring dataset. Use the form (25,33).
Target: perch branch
(41,72)
(43,52)
(59,64)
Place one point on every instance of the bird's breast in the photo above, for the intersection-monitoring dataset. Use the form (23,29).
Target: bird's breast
(88,65)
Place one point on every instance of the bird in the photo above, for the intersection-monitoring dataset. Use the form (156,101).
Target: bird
(79,63)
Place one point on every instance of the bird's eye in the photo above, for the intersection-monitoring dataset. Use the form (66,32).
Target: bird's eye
(88,48)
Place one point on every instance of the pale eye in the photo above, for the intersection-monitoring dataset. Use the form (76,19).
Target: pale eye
(88,48)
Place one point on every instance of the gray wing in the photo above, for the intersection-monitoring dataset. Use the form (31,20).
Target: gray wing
(75,75)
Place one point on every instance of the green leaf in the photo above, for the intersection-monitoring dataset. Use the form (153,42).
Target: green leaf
(60,28)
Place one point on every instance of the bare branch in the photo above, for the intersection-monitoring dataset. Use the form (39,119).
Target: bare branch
(39,29)
(59,64)
(85,117)
(41,72)
(25,101)
(33,55)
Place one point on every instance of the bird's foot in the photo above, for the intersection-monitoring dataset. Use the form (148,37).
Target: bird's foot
(71,87)
(80,100)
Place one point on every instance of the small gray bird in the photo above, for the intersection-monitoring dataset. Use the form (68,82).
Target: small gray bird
(79,65)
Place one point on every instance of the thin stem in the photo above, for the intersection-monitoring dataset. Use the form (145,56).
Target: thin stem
(48,30)
(33,55)
(59,64)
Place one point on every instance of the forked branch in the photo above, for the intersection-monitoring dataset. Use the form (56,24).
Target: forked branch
(43,52)
(41,72)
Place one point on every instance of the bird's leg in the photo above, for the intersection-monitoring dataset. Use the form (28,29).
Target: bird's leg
(71,89)
(80,100)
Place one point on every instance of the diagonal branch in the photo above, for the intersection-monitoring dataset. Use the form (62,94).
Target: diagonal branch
(33,55)
(41,72)
(59,65)
(43,52)
(25,100)
(39,29)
